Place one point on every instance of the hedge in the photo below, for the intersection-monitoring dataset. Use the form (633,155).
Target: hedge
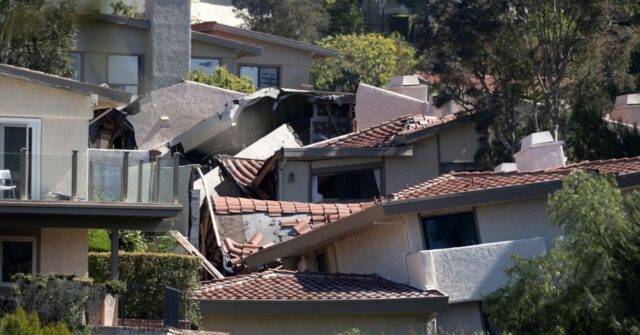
(145,275)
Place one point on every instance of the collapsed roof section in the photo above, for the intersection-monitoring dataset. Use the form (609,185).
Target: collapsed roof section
(312,115)
(248,225)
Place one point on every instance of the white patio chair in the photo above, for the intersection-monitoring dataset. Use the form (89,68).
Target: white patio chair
(5,175)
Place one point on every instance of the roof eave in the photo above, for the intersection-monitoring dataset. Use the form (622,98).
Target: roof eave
(307,153)
(244,49)
(431,131)
(324,307)
(116,19)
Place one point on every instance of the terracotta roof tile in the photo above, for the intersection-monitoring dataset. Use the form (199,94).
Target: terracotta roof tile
(290,285)
(383,134)
(242,170)
(474,181)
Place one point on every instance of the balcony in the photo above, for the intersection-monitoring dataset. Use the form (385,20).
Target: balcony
(468,273)
(66,189)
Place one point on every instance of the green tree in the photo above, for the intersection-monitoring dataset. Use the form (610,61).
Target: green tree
(303,20)
(38,35)
(345,17)
(223,79)
(587,283)
(369,58)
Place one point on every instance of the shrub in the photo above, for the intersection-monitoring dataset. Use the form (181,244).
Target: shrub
(19,323)
(222,78)
(145,275)
(99,240)
(59,298)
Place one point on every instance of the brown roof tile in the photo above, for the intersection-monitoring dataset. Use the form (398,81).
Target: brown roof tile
(290,285)
(242,170)
(474,181)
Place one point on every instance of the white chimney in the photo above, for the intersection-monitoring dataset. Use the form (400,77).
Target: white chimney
(540,151)
(627,109)
(506,167)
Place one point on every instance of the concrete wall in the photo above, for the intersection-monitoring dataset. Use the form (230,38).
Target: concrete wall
(423,165)
(302,325)
(294,64)
(376,105)
(464,318)
(419,92)
(516,220)
(298,190)
(378,250)
(64,250)
(65,127)
(468,273)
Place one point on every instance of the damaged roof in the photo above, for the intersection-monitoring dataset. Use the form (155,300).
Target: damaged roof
(459,182)
(242,170)
(385,134)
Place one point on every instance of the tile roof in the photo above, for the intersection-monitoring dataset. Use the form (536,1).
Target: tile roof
(474,181)
(383,134)
(296,286)
(242,170)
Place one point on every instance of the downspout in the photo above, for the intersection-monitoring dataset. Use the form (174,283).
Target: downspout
(212,215)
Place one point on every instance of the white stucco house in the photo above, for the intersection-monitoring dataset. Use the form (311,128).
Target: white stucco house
(454,233)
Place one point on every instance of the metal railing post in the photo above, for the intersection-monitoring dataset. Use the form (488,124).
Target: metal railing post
(124,178)
(24,174)
(74,175)
(90,182)
(140,170)
(176,177)
(156,181)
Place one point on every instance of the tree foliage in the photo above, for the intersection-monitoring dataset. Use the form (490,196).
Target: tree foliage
(586,284)
(345,17)
(369,58)
(520,65)
(38,35)
(303,20)
(222,78)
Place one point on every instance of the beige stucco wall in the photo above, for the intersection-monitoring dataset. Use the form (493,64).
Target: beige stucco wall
(458,144)
(65,127)
(205,50)
(380,250)
(298,190)
(294,64)
(516,220)
(321,325)
(64,250)
(462,318)
(423,165)
(375,105)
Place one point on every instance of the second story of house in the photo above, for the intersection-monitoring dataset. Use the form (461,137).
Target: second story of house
(157,46)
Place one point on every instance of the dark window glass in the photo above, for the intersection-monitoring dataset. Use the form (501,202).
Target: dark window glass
(321,260)
(124,72)
(17,257)
(206,65)
(349,185)
(450,231)
(261,76)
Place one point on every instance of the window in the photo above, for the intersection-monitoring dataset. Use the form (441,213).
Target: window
(124,73)
(15,134)
(206,65)
(76,65)
(362,184)
(450,231)
(261,76)
(321,262)
(17,256)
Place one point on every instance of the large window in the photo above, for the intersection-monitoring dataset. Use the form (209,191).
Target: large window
(15,134)
(450,231)
(261,76)
(124,73)
(76,65)
(206,65)
(353,185)
(17,256)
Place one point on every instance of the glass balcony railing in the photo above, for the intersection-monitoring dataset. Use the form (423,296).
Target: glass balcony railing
(89,176)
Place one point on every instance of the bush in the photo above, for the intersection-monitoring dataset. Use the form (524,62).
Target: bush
(222,78)
(145,275)
(59,298)
(20,323)
(99,240)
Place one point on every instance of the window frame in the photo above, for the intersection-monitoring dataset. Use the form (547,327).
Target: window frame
(205,58)
(425,229)
(260,66)
(34,249)
(333,170)
(81,74)
(35,154)
(140,71)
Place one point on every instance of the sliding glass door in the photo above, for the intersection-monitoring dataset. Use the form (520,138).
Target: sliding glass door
(15,134)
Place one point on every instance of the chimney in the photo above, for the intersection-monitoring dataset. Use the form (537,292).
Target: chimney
(409,86)
(540,151)
(627,109)
(168,42)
